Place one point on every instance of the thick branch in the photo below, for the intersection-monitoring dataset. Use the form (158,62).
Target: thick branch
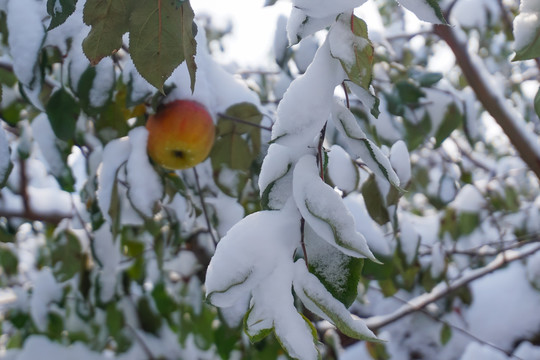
(444,289)
(490,101)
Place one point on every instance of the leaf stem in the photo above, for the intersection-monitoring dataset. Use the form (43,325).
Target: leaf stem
(203,206)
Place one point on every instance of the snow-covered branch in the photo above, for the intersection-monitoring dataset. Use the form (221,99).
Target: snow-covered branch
(443,289)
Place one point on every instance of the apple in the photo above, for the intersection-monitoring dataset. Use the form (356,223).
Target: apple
(180,134)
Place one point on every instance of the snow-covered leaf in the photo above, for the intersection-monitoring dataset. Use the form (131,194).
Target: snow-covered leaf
(273,310)
(145,187)
(323,8)
(319,301)
(115,154)
(342,170)
(427,10)
(162,31)
(5,161)
(275,178)
(349,43)
(324,210)
(527,31)
(249,253)
(361,146)
(25,41)
(60,10)
(300,25)
(338,272)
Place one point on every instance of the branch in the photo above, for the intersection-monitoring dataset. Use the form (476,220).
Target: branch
(444,289)
(490,101)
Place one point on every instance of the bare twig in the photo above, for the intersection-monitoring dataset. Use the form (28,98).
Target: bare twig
(242,121)
(141,342)
(203,206)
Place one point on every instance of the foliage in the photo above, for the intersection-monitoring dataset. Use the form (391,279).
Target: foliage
(375,177)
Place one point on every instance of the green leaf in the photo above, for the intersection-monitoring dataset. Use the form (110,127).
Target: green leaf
(231,151)
(318,300)
(63,112)
(374,200)
(66,256)
(59,10)
(261,332)
(429,79)
(416,133)
(109,21)
(338,272)
(163,32)
(537,103)
(359,71)
(408,92)
(5,162)
(446,334)
(164,303)
(451,121)
(149,320)
(531,50)
(8,261)
(114,319)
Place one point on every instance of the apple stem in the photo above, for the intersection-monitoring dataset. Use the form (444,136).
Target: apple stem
(203,205)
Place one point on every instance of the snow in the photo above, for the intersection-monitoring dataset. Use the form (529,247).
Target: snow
(323,209)
(526,24)
(45,291)
(469,199)
(107,252)
(103,83)
(533,270)
(527,351)
(305,52)
(25,37)
(344,44)
(38,346)
(251,250)
(276,171)
(145,185)
(44,136)
(421,9)
(409,239)
(299,117)
(399,158)
(323,8)
(341,169)
(438,263)
(228,212)
(117,153)
(301,26)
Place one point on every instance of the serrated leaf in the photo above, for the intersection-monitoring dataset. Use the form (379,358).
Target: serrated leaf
(163,32)
(321,302)
(359,68)
(109,21)
(59,10)
(63,112)
(375,203)
(338,272)
(537,103)
(451,121)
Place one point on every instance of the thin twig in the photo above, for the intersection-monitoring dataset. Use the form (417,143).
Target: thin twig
(444,289)
(203,205)
(242,121)
(302,242)
(457,328)
(141,342)
(320,157)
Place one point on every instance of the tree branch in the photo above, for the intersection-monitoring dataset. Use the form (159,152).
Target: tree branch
(444,289)
(490,101)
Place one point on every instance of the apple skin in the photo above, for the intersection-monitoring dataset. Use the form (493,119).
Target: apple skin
(180,134)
